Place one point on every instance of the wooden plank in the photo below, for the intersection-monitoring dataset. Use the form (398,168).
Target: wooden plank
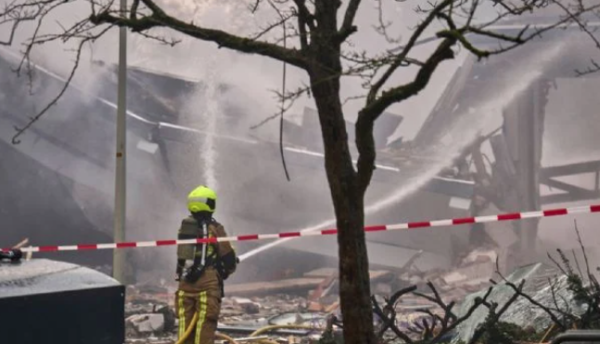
(21,244)
(567,197)
(328,272)
(284,286)
(322,272)
(570,169)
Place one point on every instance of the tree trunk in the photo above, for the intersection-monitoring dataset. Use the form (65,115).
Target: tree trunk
(347,200)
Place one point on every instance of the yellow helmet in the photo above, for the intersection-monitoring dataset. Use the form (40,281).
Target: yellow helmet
(202,199)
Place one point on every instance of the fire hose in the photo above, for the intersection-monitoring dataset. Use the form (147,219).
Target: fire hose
(189,330)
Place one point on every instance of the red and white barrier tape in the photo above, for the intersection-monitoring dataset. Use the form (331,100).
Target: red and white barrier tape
(252,237)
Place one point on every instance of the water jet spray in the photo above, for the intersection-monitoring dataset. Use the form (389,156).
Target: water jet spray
(464,131)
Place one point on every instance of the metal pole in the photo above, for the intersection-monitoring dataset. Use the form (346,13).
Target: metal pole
(120,173)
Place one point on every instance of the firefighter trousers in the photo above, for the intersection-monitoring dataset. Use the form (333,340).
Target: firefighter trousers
(207,304)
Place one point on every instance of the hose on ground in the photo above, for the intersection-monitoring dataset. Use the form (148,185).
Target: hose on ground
(190,328)
(226,337)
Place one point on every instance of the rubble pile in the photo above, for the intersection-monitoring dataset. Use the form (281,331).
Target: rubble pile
(472,275)
(537,285)
(299,309)
(149,315)
(305,302)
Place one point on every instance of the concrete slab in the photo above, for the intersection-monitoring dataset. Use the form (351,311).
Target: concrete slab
(43,276)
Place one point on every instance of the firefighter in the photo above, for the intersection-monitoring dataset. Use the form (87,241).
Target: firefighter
(201,269)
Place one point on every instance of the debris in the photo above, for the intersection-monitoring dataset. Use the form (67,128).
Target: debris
(317,320)
(480,256)
(383,288)
(323,288)
(22,243)
(168,314)
(250,339)
(332,307)
(151,340)
(295,285)
(327,272)
(146,323)
(524,315)
(521,312)
(141,305)
(471,274)
(245,330)
(311,299)
(315,307)
(247,305)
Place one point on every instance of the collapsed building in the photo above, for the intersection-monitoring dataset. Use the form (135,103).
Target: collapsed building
(479,152)
(513,133)
(71,153)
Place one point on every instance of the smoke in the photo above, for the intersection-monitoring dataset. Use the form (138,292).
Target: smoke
(232,84)
(472,121)
(570,136)
(570,120)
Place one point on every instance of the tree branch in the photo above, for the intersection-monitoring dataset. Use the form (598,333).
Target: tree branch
(389,322)
(367,116)
(521,38)
(305,19)
(348,27)
(388,314)
(383,26)
(518,291)
(134,8)
(32,120)
(451,321)
(376,87)
(283,19)
(224,39)
(493,316)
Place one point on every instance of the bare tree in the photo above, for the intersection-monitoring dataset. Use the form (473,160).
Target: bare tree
(442,321)
(317,44)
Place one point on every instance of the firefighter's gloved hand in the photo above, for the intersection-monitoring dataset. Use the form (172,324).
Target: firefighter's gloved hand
(191,275)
